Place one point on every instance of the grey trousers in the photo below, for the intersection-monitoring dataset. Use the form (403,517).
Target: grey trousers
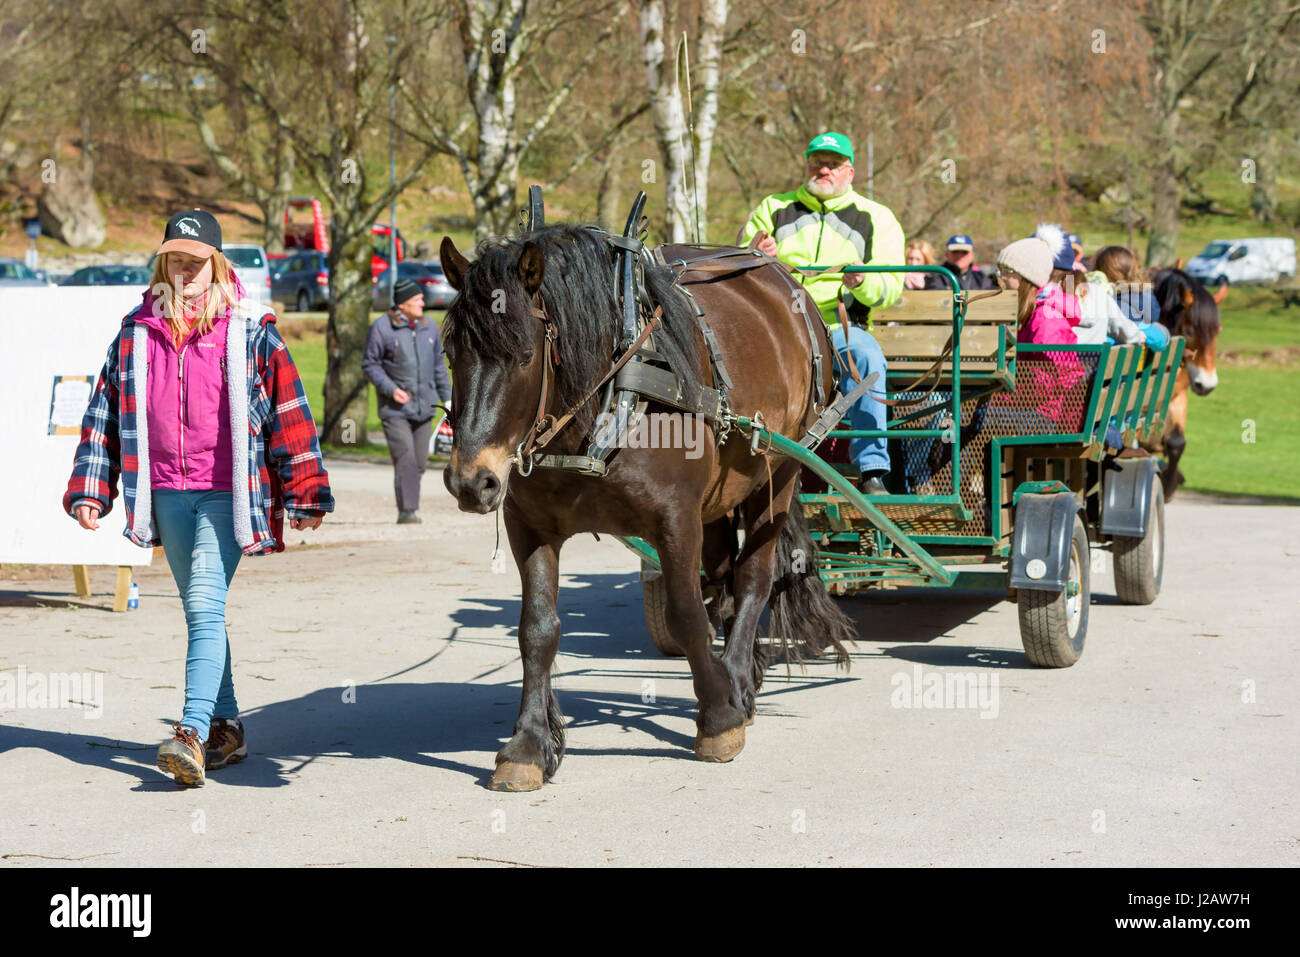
(408,444)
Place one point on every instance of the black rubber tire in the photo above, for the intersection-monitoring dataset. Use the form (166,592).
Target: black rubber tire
(655,594)
(304,301)
(1221,281)
(1140,562)
(1045,615)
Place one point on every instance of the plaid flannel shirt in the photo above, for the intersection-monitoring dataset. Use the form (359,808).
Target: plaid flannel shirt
(277,458)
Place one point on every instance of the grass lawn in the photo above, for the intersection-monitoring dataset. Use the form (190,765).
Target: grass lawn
(1242,438)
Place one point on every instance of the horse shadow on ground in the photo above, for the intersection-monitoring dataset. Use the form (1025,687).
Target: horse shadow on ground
(449,726)
(455,726)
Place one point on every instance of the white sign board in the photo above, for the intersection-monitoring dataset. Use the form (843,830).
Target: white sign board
(53,341)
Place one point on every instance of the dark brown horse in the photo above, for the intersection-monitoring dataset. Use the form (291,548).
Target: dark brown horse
(687,502)
(1189,310)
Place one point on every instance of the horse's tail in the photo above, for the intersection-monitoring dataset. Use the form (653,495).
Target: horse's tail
(804,619)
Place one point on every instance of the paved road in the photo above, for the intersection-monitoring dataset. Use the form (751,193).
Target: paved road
(378,673)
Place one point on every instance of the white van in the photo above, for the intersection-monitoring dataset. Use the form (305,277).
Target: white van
(1244,260)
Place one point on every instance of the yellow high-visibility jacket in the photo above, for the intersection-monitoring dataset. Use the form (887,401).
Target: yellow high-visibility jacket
(809,232)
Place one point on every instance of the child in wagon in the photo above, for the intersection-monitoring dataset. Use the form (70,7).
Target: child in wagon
(1047,315)
(200,409)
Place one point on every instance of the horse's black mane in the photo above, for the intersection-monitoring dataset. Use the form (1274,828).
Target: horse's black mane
(1201,318)
(578,291)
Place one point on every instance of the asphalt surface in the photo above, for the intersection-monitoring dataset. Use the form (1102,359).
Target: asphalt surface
(377,671)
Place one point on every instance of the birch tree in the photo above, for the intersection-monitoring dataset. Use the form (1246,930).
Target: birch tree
(498,38)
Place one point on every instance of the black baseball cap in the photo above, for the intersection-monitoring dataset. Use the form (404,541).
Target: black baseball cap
(192,231)
(407,289)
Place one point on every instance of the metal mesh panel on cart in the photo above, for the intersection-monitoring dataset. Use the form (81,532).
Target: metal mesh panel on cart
(1051,398)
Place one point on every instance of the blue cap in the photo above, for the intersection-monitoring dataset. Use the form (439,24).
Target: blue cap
(960,241)
(1074,240)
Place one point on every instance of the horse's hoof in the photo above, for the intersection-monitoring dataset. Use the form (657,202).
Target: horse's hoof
(750,719)
(720,747)
(513,776)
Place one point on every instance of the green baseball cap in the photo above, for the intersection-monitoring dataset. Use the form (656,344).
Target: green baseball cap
(830,143)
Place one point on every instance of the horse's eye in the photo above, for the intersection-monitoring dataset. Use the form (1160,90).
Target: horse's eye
(526,358)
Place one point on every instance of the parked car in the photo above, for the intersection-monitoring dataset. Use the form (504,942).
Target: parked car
(1244,260)
(109,276)
(438,293)
(302,281)
(14,272)
(249,260)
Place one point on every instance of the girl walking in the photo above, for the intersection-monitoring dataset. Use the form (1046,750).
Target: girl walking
(201,412)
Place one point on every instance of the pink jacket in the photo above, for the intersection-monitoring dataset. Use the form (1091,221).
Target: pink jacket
(1056,380)
(188,406)
(1056,314)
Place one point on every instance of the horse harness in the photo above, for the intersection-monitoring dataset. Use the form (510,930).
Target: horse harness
(640,374)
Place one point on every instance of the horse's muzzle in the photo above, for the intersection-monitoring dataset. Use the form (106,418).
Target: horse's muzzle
(476,489)
(1202,382)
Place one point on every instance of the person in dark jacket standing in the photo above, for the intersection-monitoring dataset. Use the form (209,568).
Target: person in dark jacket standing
(404,360)
(959,251)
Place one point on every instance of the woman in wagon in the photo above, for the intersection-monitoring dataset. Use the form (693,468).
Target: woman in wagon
(823,222)
(200,410)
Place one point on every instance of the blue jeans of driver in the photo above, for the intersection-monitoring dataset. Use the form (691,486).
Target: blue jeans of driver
(198,534)
(870,455)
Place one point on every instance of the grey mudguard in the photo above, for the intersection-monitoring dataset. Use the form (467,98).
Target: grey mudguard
(1044,527)
(1128,491)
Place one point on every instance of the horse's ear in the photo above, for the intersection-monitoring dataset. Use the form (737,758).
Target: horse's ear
(532,267)
(1179,264)
(453,264)
(1221,294)
(1188,297)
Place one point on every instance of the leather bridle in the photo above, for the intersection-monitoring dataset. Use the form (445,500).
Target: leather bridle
(546,426)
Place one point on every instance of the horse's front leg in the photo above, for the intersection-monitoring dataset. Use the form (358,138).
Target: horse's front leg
(720,725)
(533,754)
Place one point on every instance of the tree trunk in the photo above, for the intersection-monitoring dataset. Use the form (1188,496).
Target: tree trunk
(275,203)
(1165,195)
(713,22)
(488,33)
(347,395)
(609,199)
(669,122)
(1263,195)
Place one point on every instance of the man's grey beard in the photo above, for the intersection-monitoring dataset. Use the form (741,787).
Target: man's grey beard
(822,192)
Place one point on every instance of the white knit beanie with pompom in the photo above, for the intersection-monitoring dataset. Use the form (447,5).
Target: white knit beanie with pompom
(1033,257)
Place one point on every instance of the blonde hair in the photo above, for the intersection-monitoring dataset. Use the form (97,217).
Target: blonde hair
(220,296)
(923,247)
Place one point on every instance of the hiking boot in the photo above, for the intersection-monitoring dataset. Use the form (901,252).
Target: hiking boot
(226,743)
(182,756)
(408,517)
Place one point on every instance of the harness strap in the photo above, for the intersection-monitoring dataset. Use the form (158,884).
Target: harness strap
(534,441)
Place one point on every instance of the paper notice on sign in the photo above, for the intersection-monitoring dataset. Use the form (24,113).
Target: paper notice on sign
(68,401)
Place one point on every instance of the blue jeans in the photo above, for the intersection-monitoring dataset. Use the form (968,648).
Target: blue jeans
(868,412)
(198,534)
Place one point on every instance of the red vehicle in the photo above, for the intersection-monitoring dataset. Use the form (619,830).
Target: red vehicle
(303,234)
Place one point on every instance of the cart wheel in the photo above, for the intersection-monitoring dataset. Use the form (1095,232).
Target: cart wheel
(1140,562)
(1053,625)
(655,593)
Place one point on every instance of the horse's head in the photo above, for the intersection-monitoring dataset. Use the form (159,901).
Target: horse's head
(1190,311)
(494,347)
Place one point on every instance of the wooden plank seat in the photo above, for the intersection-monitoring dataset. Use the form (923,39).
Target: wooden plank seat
(914,332)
